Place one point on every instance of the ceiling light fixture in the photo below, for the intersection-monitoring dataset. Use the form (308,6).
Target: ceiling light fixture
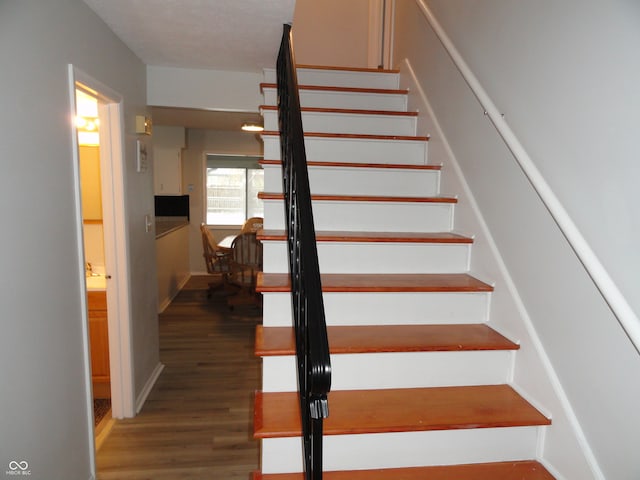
(252,127)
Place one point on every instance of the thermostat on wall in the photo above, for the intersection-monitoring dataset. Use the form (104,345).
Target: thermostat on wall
(141,156)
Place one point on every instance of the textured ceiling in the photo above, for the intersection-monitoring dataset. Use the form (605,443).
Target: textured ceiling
(239,35)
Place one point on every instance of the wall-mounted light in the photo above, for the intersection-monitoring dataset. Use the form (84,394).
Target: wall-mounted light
(86,121)
(252,127)
(87,124)
(143,125)
(87,128)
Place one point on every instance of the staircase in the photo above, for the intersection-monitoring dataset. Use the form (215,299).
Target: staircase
(420,382)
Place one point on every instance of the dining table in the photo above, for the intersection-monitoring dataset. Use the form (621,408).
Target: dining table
(227,241)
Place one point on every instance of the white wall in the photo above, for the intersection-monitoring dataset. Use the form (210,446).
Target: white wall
(91,189)
(332,32)
(94,246)
(172,260)
(199,143)
(43,403)
(564,74)
(204,89)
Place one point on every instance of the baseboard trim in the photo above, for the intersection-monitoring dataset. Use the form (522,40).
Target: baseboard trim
(556,474)
(103,430)
(167,301)
(163,306)
(146,390)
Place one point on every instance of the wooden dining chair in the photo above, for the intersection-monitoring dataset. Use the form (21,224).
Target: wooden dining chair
(217,259)
(246,263)
(252,225)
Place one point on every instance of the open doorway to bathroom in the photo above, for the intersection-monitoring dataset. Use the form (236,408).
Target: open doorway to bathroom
(111,154)
(88,132)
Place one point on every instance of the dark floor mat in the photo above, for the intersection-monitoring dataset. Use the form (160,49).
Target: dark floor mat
(101,407)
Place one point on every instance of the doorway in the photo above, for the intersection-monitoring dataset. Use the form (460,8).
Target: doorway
(88,127)
(115,268)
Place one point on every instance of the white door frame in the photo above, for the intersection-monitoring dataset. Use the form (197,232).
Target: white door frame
(115,244)
(381,14)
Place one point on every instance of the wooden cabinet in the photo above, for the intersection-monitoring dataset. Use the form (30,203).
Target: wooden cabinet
(167,171)
(168,143)
(99,337)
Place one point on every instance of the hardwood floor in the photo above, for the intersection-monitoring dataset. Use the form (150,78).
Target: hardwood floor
(197,421)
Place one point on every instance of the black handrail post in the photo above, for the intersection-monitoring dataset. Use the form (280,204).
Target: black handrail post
(312,346)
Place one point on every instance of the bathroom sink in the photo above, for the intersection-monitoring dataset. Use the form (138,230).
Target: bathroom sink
(96,282)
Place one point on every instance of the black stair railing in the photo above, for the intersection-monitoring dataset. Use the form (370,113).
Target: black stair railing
(312,346)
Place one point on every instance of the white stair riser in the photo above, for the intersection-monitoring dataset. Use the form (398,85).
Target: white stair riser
(362,181)
(340,78)
(354,150)
(327,122)
(380,370)
(396,370)
(375,257)
(337,99)
(369,216)
(392,308)
(408,449)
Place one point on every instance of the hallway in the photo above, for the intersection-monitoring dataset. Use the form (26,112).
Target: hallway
(197,421)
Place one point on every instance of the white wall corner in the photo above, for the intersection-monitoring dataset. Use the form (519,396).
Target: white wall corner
(165,302)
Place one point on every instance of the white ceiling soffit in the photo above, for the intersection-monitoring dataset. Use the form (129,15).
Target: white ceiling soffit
(204,119)
(238,35)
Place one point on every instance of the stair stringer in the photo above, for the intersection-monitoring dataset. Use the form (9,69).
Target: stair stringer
(533,374)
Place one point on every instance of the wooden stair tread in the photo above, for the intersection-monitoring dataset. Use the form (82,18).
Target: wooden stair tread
(384,91)
(351,111)
(367,282)
(277,414)
(348,69)
(517,470)
(373,237)
(389,338)
(361,136)
(398,166)
(364,198)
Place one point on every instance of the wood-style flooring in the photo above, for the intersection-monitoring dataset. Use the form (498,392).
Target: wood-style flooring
(197,421)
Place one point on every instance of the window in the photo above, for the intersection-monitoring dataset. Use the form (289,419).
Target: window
(233,183)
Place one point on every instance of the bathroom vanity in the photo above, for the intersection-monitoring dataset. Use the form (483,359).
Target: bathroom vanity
(99,335)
